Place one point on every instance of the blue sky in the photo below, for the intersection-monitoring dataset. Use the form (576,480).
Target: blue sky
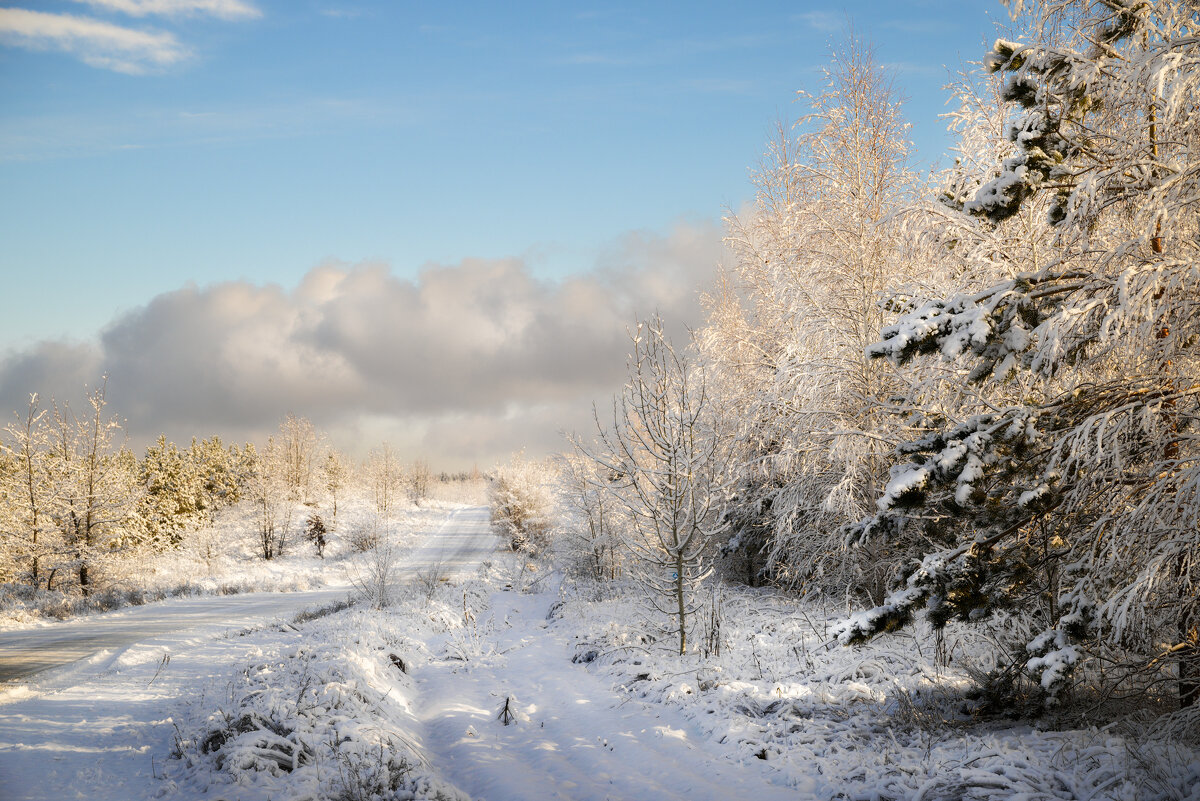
(409,132)
(150,148)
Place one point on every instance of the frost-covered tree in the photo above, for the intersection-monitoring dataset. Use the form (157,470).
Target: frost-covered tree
(335,474)
(660,461)
(186,488)
(298,444)
(816,256)
(416,482)
(1080,499)
(269,491)
(219,469)
(95,485)
(591,538)
(172,503)
(26,494)
(385,477)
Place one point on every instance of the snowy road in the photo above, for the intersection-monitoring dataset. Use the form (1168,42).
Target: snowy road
(576,738)
(456,548)
(24,653)
(95,726)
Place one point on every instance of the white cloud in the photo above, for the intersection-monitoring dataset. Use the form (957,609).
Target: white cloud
(223,9)
(100,44)
(468,362)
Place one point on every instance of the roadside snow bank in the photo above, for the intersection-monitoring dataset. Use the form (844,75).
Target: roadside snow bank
(325,714)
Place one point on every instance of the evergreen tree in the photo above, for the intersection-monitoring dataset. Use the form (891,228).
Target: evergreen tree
(1080,500)
(172,503)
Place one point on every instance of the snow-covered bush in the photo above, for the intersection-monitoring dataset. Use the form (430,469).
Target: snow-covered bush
(522,495)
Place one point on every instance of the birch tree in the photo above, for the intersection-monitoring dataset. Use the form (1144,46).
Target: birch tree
(298,444)
(816,257)
(269,490)
(26,493)
(95,485)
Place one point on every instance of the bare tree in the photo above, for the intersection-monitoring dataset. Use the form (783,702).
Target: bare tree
(659,461)
(298,443)
(592,538)
(374,575)
(384,475)
(417,481)
(335,474)
(270,493)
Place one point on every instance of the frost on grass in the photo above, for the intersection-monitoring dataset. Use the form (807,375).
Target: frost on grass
(324,714)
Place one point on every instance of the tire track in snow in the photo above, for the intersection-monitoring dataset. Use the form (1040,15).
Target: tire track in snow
(576,737)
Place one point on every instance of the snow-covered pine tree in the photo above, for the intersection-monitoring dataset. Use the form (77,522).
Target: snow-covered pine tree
(217,469)
(1081,500)
(173,493)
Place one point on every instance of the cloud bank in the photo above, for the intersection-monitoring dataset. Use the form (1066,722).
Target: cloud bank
(466,363)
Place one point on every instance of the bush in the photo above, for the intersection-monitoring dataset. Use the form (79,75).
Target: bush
(524,506)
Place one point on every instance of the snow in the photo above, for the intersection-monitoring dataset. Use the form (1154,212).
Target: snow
(103,727)
(407,702)
(577,736)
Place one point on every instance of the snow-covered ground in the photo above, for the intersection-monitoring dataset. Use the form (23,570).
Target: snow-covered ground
(102,726)
(224,559)
(574,734)
(504,682)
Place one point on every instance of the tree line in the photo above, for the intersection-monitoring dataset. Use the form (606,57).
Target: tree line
(75,499)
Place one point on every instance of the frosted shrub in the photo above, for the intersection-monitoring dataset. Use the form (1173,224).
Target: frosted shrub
(524,506)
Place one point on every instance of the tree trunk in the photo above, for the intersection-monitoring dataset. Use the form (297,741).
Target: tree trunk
(680,601)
